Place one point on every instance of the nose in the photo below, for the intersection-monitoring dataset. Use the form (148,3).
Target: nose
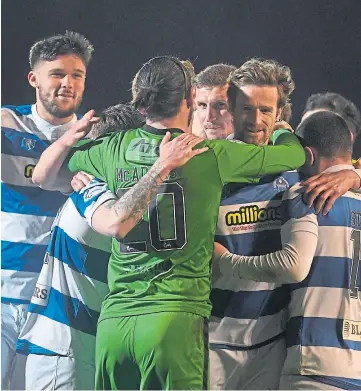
(255,117)
(259,117)
(67,82)
(210,114)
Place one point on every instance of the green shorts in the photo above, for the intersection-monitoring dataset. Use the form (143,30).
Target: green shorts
(165,350)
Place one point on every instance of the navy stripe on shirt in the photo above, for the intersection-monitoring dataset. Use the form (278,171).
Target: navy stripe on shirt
(69,311)
(30,200)
(318,332)
(22,256)
(89,261)
(249,304)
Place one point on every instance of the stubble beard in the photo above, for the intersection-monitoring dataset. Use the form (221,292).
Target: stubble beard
(52,108)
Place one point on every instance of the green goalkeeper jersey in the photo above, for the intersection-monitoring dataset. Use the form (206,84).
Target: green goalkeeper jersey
(163,263)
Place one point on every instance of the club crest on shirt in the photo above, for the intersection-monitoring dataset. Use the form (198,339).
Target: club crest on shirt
(28,143)
(280,184)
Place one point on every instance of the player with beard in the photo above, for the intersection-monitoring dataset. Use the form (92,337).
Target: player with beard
(248,317)
(212,119)
(58,70)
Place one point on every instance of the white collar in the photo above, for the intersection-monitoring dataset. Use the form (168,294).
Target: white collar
(50,131)
(339,167)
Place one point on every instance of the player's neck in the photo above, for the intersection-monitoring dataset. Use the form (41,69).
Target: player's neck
(168,123)
(324,163)
(44,114)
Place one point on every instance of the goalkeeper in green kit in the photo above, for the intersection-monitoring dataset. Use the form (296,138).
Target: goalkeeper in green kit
(152,331)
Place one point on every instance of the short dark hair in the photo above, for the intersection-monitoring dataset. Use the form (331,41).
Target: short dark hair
(261,72)
(70,42)
(336,103)
(328,133)
(160,86)
(116,118)
(214,75)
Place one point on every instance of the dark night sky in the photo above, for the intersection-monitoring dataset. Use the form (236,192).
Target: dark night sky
(319,39)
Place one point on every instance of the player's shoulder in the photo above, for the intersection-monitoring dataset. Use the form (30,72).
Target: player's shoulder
(293,204)
(16,110)
(356,195)
(15,117)
(294,191)
(121,135)
(223,143)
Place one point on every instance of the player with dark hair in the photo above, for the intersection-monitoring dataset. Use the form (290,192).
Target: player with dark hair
(212,119)
(320,257)
(58,71)
(338,104)
(330,186)
(159,271)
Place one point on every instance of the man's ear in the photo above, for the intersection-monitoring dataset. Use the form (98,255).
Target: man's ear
(310,156)
(32,79)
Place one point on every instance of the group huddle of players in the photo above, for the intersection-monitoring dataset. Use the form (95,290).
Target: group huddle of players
(190,239)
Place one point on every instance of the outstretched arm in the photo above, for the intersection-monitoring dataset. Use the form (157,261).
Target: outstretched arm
(292,264)
(46,172)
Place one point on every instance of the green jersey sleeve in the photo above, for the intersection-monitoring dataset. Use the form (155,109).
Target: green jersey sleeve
(89,157)
(238,162)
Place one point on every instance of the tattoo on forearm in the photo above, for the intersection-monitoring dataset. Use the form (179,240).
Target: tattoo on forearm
(133,204)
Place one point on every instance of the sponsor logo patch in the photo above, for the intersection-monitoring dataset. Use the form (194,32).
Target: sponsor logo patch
(28,171)
(351,330)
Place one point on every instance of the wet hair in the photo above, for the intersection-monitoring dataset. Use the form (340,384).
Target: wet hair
(190,68)
(214,76)
(328,133)
(336,103)
(261,72)
(117,118)
(70,42)
(160,86)
(286,113)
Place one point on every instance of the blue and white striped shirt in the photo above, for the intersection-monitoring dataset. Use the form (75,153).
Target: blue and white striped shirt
(324,329)
(66,303)
(27,212)
(247,313)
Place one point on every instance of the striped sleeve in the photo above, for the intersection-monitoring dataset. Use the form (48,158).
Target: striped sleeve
(90,197)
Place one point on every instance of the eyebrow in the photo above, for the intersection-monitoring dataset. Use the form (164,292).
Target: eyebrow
(62,70)
(266,107)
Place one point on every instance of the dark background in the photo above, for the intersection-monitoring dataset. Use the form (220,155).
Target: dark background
(319,39)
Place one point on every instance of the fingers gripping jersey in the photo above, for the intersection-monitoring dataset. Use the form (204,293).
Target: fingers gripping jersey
(247,313)
(163,264)
(65,306)
(27,212)
(324,328)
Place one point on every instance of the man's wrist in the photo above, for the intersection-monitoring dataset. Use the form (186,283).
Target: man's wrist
(67,141)
(163,168)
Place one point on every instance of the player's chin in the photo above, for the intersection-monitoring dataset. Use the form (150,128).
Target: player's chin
(63,112)
(252,139)
(215,134)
